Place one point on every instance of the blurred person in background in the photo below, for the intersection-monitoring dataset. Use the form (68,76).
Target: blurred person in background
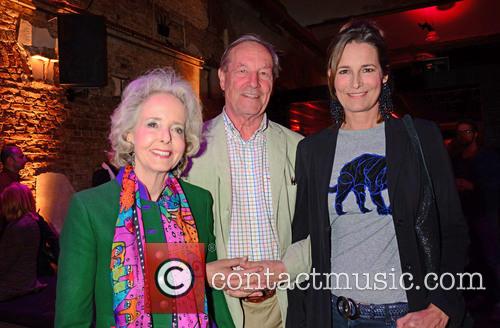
(13,161)
(105,172)
(477,176)
(19,243)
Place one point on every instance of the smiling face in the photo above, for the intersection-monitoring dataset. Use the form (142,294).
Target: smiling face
(158,136)
(247,81)
(359,78)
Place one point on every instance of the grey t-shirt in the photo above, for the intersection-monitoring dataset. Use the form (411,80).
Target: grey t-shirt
(365,256)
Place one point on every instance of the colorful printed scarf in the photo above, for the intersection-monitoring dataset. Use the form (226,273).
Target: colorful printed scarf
(130,290)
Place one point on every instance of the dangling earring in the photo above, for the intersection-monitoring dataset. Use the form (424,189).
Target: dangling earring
(131,154)
(337,111)
(132,158)
(385,102)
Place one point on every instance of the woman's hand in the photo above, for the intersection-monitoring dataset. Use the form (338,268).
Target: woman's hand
(226,275)
(431,317)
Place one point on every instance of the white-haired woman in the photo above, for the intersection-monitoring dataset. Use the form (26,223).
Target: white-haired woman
(108,228)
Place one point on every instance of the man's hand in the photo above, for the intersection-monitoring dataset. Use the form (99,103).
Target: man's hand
(221,274)
(431,317)
(271,274)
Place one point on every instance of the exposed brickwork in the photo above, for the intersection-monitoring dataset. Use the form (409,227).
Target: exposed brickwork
(70,136)
(32,113)
(56,134)
(187,20)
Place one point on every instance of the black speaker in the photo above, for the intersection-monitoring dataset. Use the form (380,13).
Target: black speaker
(82,50)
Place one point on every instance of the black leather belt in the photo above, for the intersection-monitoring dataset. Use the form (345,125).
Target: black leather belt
(352,310)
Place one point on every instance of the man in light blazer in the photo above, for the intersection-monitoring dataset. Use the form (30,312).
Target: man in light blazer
(247,163)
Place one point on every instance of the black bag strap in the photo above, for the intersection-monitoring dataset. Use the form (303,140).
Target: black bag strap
(415,141)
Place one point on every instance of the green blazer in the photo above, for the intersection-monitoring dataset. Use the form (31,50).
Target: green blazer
(210,170)
(84,265)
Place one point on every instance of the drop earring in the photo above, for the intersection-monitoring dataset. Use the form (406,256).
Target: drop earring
(385,101)
(337,111)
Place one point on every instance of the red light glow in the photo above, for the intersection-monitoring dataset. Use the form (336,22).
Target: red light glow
(432,36)
(435,15)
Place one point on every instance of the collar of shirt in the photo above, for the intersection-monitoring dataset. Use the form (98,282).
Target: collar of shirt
(235,133)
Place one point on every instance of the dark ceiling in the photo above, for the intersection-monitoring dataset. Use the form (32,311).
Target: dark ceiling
(439,76)
(456,23)
(317,12)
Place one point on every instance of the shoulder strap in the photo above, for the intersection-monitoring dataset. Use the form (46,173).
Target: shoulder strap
(417,146)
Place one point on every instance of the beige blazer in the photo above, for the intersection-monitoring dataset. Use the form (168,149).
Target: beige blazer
(210,170)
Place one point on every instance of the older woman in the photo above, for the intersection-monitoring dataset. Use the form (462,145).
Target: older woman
(19,242)
(373,216)
(108,228)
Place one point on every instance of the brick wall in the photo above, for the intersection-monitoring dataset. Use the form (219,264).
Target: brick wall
(70,136)
(32,113)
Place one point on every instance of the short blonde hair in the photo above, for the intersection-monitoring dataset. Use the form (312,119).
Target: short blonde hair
(16,200)
(124,118)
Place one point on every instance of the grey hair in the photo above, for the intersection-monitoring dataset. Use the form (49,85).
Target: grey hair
(224,61)
(124,118)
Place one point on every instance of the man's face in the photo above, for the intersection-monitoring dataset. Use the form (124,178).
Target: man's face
(17,160)
(466,134)
(247,81)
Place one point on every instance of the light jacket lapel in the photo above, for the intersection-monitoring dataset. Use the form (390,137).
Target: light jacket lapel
(222,171)
(276,155)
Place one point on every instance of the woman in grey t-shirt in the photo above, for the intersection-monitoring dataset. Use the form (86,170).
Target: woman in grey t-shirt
(386,244)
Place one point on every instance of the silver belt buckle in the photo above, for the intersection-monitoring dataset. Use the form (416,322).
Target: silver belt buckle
(347,308)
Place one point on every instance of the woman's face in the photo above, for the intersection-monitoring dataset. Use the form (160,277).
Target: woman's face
(158,136)
(359,78)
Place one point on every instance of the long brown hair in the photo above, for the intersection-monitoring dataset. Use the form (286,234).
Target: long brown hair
(15,201)
(356,31)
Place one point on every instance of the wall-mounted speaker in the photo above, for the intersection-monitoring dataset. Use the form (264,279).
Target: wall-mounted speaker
(82,50)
